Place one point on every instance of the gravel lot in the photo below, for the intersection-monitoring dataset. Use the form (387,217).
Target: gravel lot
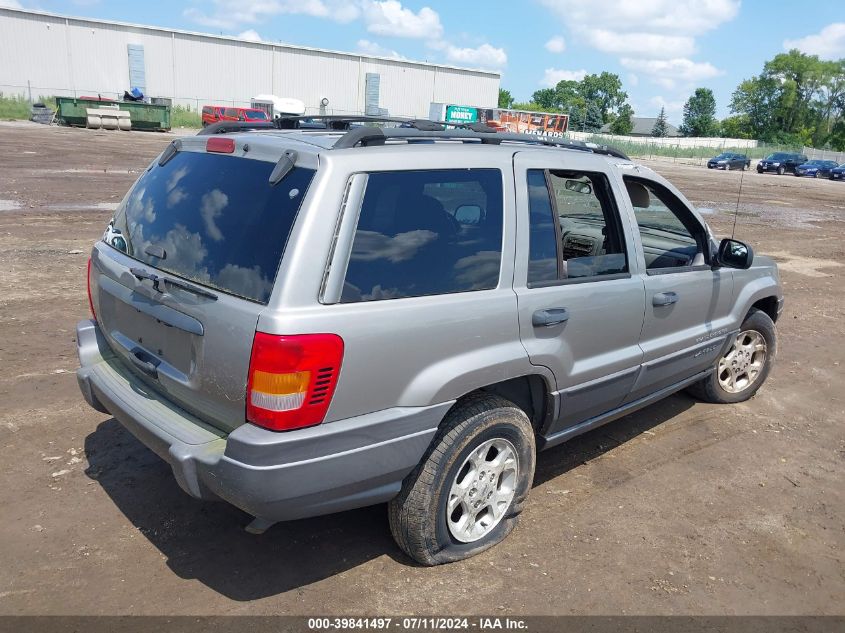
(681,508)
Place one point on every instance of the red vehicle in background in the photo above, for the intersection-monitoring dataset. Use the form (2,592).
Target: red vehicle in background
(215,114)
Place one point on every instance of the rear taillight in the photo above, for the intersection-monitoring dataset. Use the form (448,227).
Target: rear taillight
(220,145)
(90,299)
(292,379)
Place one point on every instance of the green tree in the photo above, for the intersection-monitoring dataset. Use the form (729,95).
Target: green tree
(797,98)
(623,124)
(605,91)
(758,100)
(736,126)
(700,114)
(545,97)
(593,119)
(505,98)
(659,128)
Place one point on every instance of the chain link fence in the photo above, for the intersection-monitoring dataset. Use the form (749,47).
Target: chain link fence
(689,151)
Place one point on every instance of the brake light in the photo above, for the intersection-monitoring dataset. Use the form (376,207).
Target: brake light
(90,300)
(292,379)
(220,145)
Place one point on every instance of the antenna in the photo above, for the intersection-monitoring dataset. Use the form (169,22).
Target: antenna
(738,196)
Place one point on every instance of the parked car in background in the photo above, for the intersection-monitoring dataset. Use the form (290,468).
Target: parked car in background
(816,168)
(729,160)
(215,114)
(252,114)
(781,163)
(838,173)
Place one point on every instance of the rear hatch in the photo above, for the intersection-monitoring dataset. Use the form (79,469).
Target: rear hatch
(188,264)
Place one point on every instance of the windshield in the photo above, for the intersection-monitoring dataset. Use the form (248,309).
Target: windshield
(257,114)
(723,156)
(777,156)
(211,219)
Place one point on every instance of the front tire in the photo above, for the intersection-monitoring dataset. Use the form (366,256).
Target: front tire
(781,171)
(742,370)
(466,494)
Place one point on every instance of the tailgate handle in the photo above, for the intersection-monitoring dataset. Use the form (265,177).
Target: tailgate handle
(144,361)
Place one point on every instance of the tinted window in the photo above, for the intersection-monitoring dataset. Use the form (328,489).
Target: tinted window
(426,232)
(667,229)
(542,236)
(588,228)
(217,218)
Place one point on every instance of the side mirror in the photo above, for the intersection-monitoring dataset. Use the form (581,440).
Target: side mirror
(734,254)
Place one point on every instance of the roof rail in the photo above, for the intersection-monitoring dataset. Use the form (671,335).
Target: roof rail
(408,130)
(378,136)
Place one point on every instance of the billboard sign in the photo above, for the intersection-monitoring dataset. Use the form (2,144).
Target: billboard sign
(461,114)
(518,121)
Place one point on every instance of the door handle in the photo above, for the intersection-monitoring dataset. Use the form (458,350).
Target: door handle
(549,317)
(664,299)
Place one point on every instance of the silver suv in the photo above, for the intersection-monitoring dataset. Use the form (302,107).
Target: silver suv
(307,321)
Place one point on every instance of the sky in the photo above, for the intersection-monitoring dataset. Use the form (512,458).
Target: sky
(661,49)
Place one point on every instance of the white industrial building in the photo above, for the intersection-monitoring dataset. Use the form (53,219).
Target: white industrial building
(44,54)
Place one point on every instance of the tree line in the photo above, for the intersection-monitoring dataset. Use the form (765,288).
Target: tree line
(797,99)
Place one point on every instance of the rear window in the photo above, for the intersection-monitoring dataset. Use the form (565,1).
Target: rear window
(426,232)
(217,219)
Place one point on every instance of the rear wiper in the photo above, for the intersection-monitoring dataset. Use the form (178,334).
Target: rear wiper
(189,288)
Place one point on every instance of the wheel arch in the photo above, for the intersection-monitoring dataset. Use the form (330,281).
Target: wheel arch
(531,393)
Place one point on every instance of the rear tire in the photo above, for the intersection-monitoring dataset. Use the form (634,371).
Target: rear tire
(460,500)
(742,370)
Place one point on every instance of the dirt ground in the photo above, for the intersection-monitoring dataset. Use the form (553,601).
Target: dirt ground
(681,508)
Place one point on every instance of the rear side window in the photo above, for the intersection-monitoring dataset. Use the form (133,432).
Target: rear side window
(426,232)
(212,219)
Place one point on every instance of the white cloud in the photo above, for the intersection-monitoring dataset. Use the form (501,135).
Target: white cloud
(829,43)
(668,72)
(484,56)
(678,17)
(251,35)
(390,18)
(228,14)
(652,37)
(372,48)
(552,76)
(673,108)
(633,79)
(11,4)
(556,45)
(648,45)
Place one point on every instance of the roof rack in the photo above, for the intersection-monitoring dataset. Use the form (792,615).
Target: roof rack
(376,136)
(409,130)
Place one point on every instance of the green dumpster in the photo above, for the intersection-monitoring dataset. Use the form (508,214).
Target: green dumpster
(145,116)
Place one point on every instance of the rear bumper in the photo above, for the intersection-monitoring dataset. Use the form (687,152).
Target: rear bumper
(336,466)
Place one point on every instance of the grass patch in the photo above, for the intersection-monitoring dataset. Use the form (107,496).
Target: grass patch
(18,107)
(181,116)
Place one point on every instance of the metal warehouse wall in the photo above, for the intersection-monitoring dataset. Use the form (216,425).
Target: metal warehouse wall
(67,56)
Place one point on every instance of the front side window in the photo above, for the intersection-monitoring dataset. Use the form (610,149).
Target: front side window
(572,219)
(425,233)
(671,236)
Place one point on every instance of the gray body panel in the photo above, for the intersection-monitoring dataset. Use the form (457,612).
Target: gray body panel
(406,361)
